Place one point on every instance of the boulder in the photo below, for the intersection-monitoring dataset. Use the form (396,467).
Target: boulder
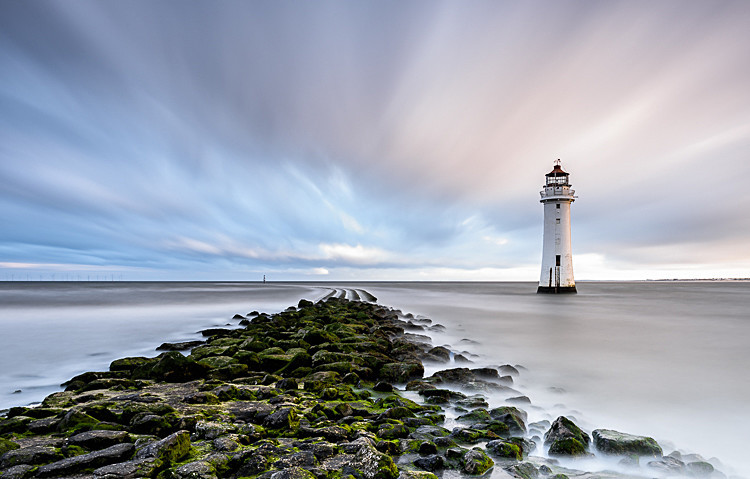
(196,470)
(383,387)
(566,439)
(524,470)
(508,369)
(454,376)
(21,471)
(430,463)
(401,372)
(171,367)
(486,373)
(438,354)
(368,461)
(612,442)
(476,462)
(475,416)
(700,468)
(285,419)
(440,396)
(130,364)
(427,447)
(135,469)
(504,449)
(170,449)
(293,473)
(32,455)
(416,475)
(94,440)
(7,445)
(669,465)
(511,416)
(75,464)
(43,426)
(181,346)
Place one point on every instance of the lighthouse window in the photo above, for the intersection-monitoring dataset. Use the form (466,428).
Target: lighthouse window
(557,220)
(557,205)
(557,260)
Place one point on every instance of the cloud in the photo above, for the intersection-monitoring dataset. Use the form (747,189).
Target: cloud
(372,136)
(357,254)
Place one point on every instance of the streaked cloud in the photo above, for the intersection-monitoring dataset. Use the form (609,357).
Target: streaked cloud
(224,140)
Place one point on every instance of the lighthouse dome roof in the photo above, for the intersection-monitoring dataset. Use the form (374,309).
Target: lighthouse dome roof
(557,171)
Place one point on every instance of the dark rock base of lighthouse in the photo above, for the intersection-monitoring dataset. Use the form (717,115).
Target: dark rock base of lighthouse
(556,290)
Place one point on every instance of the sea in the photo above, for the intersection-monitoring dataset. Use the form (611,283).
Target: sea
(667,359)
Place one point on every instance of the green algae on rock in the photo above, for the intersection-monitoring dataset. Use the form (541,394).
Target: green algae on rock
(612,442)
(566,439)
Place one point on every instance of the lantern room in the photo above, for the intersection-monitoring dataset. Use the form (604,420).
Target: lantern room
(557,177)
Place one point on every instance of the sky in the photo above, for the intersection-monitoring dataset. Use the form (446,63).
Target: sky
(372,140)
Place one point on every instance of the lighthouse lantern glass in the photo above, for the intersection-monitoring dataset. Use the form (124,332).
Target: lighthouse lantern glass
(557,180)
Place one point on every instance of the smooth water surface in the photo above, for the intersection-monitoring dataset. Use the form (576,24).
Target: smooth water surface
(50,332)
(665,359)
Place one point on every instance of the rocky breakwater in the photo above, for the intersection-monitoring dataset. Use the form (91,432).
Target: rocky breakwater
(329,390)
(306,393)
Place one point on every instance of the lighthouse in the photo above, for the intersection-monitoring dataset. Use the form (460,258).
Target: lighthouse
(557,258)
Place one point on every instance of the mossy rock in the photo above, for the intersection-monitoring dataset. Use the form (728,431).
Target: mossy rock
(473,436)
(568,447)
(102,412)
(475,416)
(14,424)
(524,444)
(274,350)
(401,372)
(320,380)
(299,359)
(114,384)
(476,462)
(393,431)
(130,364)
(620,443)
(525,470)
(32,455)
(154,424)
(417,475)
(513,417)
(250,358)
(7,445)
(505,449)
(216,362)
(227,342)
(76,420)
(322,358)
(207,351)
(254,345)
(498,427)
(284,419)
(170,449)
(289,344)
(274,362)
(342,367)
(171,367)
(128,411)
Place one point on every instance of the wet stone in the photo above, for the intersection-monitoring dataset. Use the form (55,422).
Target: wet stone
(134,469)
(32,455)
(98,439)
(430,463)
(71,465)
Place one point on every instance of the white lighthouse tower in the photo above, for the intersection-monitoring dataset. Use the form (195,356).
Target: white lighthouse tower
(557,258)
